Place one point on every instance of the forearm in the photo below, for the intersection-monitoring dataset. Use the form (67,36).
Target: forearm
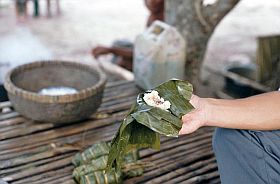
(124,52)
(261,112)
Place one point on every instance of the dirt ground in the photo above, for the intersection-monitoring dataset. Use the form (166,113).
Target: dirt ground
(69,35)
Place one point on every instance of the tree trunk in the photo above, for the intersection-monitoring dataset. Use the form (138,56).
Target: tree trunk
(196,23)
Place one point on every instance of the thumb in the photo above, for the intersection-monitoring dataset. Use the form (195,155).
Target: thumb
(188,128)
(188,124)
(194,101)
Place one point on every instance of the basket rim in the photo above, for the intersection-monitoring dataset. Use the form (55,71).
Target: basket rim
(82,94)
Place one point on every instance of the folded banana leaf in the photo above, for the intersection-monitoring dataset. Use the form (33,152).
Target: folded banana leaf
(144,123)
(131,166)
(90,166)
(93,152)
(101,177)
(97,164)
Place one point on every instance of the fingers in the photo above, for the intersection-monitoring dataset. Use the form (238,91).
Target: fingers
(187,124)
(184,130)
(194,119)
(94,52)
(187,117)
(191,122)
(188,128)
(100,50)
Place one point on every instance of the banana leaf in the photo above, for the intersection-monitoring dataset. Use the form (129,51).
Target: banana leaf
(130,167)
(90,165)
(100,177)
(93,152)
(144,123)
(97,164)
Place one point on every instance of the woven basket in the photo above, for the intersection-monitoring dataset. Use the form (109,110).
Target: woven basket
(24,82)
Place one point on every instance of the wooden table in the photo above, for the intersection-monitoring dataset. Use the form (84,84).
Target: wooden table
(38,153)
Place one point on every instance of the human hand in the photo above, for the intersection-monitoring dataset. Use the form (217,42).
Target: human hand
(100,50)
(197,117)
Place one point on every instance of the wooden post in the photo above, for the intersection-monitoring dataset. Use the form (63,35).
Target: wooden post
(268,60)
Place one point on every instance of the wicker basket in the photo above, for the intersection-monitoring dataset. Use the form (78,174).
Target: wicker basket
(24,82)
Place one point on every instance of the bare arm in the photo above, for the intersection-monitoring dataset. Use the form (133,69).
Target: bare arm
(126,53)
(260,112)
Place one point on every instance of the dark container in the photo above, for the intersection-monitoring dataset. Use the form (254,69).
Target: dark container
(3,94)
(236,88)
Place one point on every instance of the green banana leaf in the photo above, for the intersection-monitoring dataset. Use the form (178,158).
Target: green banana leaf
(93,152)
(132,137)
(143,124)
(90,165)
(94,165)
(101,177)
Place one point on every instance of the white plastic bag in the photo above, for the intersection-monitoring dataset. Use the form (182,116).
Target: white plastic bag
(159,55)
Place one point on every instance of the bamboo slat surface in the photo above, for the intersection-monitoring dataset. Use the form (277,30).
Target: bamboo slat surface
(41,153)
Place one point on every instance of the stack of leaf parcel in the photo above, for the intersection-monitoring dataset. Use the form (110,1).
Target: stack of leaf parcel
(90,166)
(157,111)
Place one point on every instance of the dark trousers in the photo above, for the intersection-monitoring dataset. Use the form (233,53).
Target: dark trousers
(247,157)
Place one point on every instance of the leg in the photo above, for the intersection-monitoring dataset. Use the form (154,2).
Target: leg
(49,7)
(25,8)
(17,8)
(247,156)
(21,8)
(57,7)
(36,8)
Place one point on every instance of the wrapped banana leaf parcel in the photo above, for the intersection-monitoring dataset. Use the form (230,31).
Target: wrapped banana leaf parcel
(157,111)
(90,166)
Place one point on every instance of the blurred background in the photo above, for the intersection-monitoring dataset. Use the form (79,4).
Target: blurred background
(69,29)
(67,33)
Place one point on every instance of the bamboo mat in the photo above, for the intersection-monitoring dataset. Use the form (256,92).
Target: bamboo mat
(41,153)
